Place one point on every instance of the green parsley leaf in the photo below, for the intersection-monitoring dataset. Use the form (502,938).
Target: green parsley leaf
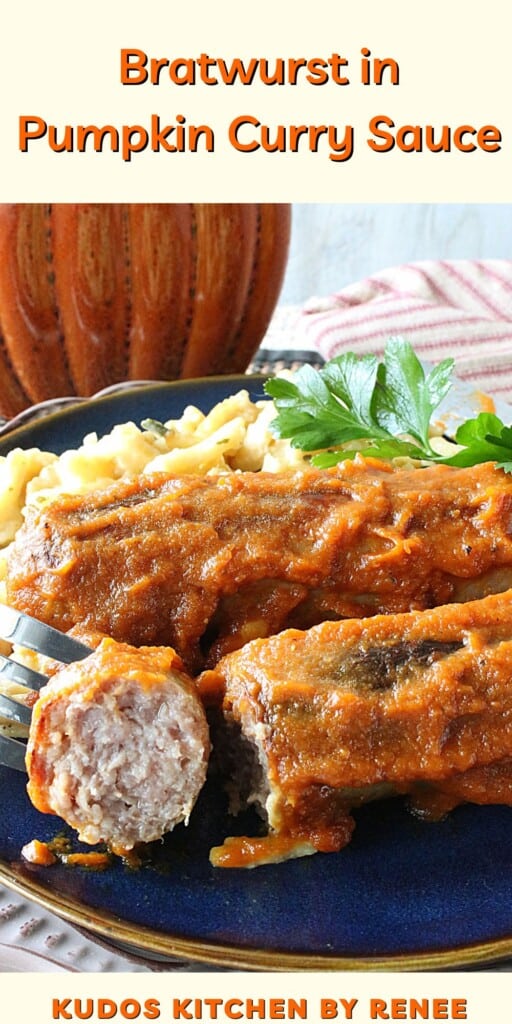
(352,380)
(356,398)
(484,439)
(312,415)
(384,409)
(405,398)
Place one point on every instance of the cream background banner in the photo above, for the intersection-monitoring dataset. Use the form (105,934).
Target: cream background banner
(61,63)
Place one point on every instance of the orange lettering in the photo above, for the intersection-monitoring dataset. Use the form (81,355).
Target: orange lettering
(133,67)
(459,1006)
(59,1009)
(489,138)
(240,122)
(388,140)
(328,1009)
(230,1011)
(398,1009)
(27,133)
(458,138)
(107,1009)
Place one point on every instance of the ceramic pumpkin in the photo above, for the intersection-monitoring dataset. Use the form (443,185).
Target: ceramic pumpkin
(94,294)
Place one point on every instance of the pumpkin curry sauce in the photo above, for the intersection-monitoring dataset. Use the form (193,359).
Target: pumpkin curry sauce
(409,693)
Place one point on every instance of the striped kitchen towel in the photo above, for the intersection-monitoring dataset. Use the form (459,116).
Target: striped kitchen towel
(458,308)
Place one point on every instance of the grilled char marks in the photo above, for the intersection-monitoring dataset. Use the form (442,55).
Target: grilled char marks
(86,512)
(381,668)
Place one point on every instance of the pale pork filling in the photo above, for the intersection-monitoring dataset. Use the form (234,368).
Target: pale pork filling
(127,767)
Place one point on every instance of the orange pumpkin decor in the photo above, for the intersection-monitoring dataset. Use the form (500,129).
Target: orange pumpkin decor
(94,294)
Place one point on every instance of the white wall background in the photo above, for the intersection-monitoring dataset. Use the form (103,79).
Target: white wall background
(335,245)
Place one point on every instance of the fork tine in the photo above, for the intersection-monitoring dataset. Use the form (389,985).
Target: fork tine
(14,710)
(10,669)
(28,632)
(12,753)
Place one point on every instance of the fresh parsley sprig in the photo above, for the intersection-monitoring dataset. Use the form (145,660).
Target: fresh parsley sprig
(385,406)
(483,439)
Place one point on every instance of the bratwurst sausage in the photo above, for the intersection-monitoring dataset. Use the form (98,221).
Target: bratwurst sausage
(205,564)
(318,722)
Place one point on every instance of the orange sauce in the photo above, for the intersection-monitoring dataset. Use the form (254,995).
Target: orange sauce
(38,853)
(94,861)
(246,852)
(59,850)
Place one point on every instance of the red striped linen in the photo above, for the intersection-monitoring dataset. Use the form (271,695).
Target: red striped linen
(458,308)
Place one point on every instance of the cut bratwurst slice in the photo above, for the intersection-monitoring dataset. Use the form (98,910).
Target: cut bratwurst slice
(119,745)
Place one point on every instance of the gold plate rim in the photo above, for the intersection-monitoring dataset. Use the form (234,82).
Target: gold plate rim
(144,941)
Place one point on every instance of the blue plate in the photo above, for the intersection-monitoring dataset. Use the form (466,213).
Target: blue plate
(404,895)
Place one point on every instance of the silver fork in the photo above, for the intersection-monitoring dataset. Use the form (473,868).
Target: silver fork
(21,629)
